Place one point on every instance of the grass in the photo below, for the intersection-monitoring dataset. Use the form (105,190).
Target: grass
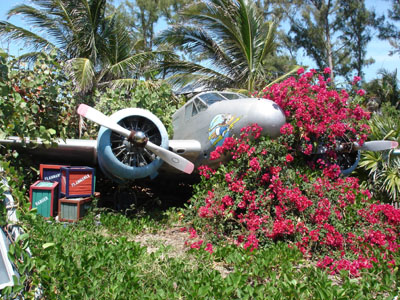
(102,257)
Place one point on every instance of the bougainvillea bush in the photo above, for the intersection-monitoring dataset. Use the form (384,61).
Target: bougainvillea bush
(290,190)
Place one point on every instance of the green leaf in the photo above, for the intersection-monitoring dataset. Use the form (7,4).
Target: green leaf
(22,237)
(35,108)
(48,245)
(51,131)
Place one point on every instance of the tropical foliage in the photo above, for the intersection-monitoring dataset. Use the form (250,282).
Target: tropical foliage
(390,30)
(141,17)
(229,43)
(333,34)
(278,220)
(36,102)
(384,89)
(97,49)
(155,96)
(383,167)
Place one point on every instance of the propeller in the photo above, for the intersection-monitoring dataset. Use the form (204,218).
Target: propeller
(367,146)
(136,137)
(376,145)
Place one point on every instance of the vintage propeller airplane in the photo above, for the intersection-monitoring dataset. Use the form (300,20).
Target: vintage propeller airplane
(133,143)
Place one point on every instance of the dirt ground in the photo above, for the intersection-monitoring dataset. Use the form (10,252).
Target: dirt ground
(171,237)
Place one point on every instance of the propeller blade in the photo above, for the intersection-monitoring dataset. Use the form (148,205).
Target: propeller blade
(101,119)
(169,157)
(376,145)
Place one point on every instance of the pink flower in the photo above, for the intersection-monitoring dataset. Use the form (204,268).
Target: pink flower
(192,233)
(327,70)
(287,129)
(254,164)
(361,92)
(215,155)
(289,158)
(209,248)
(300,71)
(196,245)
(356,79)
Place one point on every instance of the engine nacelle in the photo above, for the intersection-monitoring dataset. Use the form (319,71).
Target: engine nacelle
(119,159)
(351,163)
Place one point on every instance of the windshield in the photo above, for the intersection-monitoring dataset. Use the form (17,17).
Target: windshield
(210,98)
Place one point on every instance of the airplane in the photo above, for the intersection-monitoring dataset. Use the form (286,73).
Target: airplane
(133,143)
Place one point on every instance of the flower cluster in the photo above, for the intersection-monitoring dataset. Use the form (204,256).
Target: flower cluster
(268,192)
(315,112)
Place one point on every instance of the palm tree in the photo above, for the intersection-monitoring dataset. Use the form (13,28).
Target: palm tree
(386,89)
(229,44)
(383,168)
(96,48)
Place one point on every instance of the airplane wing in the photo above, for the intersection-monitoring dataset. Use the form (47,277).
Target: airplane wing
(85,151)
(69,150)
(189,149)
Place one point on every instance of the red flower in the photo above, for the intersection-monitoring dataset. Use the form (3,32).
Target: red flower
(300,71)
(196,245)
(254,164)
(287,129)
(361,92)
(289,158)
(209,248)
(356,79)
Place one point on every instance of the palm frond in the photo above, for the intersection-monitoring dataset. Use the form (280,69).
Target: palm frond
(371,161)
(268,44)
(391,182)
(129,83)
(294,70)
(200,77)
(34,16)
(29,57)
(229,36)
(27,38)
(81,71)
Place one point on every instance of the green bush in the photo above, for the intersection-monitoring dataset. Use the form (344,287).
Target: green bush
(36,102)
(157,97)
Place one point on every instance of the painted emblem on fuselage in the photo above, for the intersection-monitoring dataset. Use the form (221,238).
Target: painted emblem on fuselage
(220,128)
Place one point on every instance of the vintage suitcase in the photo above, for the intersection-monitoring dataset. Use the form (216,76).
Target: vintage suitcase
(51,172)
(43,196)
(73,209)
(77,182)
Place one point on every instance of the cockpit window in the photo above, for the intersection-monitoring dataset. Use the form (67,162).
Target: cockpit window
(200,105)
(194,111)
(188,110)
(233,96)
(210,98)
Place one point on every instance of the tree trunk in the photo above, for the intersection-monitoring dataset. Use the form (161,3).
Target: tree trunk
(328,41)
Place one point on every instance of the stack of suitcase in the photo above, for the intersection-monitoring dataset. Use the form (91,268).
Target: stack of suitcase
(64,191)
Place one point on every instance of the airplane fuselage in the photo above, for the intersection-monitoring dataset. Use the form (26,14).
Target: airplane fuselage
(210,123)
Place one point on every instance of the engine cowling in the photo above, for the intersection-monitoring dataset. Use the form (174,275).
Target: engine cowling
(349,162)
(118,158)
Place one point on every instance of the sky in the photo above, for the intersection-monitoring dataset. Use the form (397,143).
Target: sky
(377,49)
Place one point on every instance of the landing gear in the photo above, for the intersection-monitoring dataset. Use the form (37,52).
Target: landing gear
(124,198)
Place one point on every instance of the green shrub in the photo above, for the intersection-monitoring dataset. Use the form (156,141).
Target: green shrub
(36,102)
(157,97)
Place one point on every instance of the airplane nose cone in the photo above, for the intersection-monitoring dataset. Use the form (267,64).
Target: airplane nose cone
(268,115)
